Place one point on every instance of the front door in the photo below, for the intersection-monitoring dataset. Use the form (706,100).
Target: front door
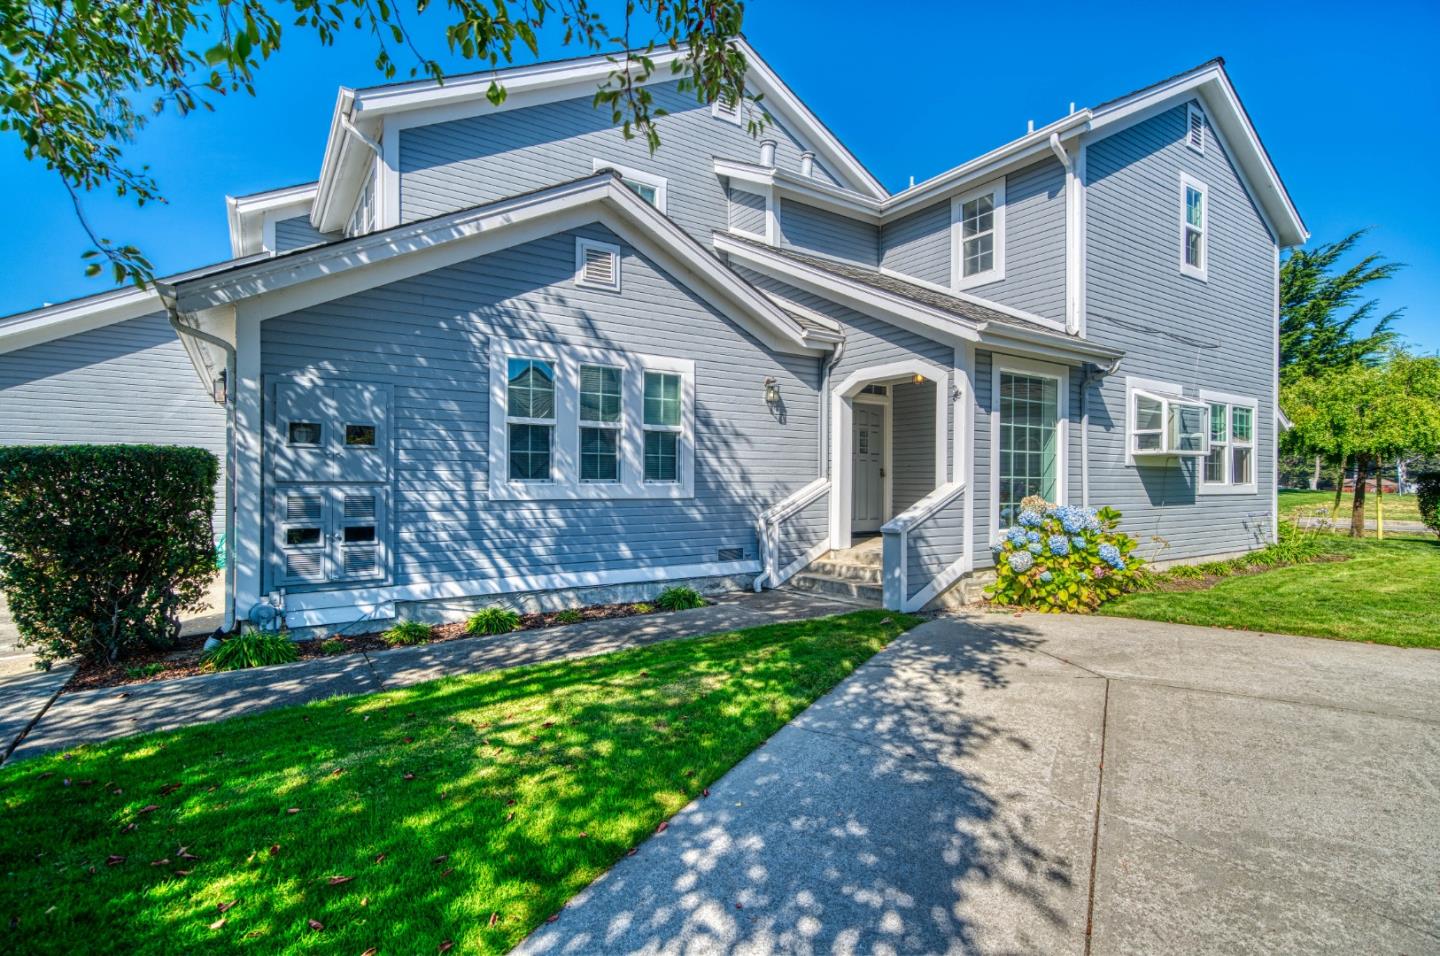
(868,447)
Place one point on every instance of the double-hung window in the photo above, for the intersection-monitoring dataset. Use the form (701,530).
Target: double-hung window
(977,222)
(1194,228)
(572,421)
(1229,467)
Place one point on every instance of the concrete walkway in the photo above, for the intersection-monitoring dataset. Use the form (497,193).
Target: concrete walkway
(92,715)
(1000,784)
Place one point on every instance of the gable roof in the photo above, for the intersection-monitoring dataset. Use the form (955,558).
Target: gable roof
(359,116)
(252,217)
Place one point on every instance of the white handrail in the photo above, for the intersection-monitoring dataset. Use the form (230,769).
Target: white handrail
(897,559)
(767,529)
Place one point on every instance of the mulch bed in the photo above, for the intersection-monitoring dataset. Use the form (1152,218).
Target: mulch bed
(184,658)
(1166,583)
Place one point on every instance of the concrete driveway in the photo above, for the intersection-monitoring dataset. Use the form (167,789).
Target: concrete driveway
(1062,785)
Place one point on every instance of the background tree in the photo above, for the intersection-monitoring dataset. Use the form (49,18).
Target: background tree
(79,78)
(1374,412)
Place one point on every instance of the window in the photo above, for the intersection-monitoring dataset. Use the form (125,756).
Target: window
(601,397)
(362,436)
(647,186)
(1163,423)
(597,264)
(577,422)
(1230,462)
(978,236)
(1194,228)
(662,426)
(530,418)
(304,433)
(1029,458)
(1195,128)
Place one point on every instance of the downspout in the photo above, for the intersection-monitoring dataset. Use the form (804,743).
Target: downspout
(1092,372)
(1072,244)
(172,312)
(354,131)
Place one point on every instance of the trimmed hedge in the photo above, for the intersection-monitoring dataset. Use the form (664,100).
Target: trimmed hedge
(1427,488)
(102,547)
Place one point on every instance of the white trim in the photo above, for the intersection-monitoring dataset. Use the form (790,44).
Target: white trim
(659,183)
(767,533)
(336,606)
(996,272)
(1000,363)
(566,360)
(1202,271)
(1282,421)
(1193,110)
(583,248)
(252,218)
(69,318)
(768,196)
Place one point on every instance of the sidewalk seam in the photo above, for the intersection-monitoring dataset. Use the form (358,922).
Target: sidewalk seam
(1095,830)
(25,731)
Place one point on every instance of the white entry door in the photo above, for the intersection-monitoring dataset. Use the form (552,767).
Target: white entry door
(868,457)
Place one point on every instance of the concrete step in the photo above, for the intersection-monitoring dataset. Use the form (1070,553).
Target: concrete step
(850,571)
(872,555)
(857,591)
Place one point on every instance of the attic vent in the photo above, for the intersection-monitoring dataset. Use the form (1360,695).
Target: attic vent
(730,554)
(1195,128)
(727,108)
(597,264)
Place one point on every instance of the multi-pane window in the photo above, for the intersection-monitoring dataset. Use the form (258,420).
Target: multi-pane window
(979,235)
(530,418)
(646,185)
(663,402)
(1231,461)
(601,400)
(1194,228)
(1029,440)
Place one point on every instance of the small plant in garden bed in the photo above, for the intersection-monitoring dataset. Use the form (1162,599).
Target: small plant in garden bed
(493,620)
(252,649)
(407,633)
(679,598)
(1061,558)
(333,645)
(568,615)
(643,608)
(142,671)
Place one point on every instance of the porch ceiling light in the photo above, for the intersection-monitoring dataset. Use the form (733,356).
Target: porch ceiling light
(772,391)
(918,379)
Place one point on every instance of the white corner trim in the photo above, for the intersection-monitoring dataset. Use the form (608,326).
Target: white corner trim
(1202,272)
(659,183)
(958,280)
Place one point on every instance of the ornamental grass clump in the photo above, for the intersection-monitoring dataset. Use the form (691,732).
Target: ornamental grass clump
(1063,558)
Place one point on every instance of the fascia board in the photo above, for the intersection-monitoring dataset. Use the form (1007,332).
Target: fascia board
(56,322)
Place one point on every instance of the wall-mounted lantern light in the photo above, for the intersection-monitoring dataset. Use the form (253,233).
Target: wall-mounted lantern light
(220,388)
(772,391)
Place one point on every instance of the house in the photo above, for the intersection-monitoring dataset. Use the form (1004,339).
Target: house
(502,353)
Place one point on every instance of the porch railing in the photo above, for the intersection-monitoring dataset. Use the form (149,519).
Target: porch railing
(925,548)
(793,533)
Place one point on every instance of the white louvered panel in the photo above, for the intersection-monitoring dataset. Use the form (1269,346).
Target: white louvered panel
(360,507)
(303,508)
(600,266)
(361,560)
(1197,129)
(304,564)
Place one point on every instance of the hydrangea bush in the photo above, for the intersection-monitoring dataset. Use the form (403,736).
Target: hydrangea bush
(1063,558)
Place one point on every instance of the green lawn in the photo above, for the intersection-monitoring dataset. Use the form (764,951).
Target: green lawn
(1304,503)
(1386,592)
(468,809)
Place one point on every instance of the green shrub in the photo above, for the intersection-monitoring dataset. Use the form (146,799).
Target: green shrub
(144,670)
(1427,490)
(643,608)
(1062,558)
(406,633)
(332,645)
(252,649)
(493,620)
(568,616)
(103,547)
(678,597)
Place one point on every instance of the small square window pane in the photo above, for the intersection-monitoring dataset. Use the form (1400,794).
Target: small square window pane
(599,454)
(662,398)
(1193,248)
(1148,413)
(643,190)
(661,456)
(530,452)
(978,215)
(1215,465)
(359,534)
(304,433)
(600,393)
(979,254)
(1194,208)
(299,537)
(531,389)
(1147,441)
(1241,421)
(360,435)
(1217,423)
(1240,465)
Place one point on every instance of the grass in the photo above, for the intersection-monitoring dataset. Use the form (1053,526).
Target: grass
(467,809)
(1295,504)
(1383,592)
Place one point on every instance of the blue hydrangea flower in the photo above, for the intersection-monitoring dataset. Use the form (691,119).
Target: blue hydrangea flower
(1020,561)
(1072,520)
(1032,536)
(1092,520)
(1031,519)
(1035,548)
(998,546)
(1059,545)
(1017,537)
(1111,556)
(1084,575)
(1078,543)
(1046,577)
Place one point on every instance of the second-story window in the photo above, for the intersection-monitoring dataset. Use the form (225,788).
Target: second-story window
(647,186)
(1194,228)
(978,236)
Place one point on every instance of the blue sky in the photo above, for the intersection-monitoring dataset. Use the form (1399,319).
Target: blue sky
(1345,102)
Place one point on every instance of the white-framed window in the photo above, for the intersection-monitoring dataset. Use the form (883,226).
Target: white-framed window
(597,264)
(1162,423)
(647,186)
(1195,127)
(611,425)
(1194,227)
(728,108)
(1028,433)
(1229,465)
(977,230)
